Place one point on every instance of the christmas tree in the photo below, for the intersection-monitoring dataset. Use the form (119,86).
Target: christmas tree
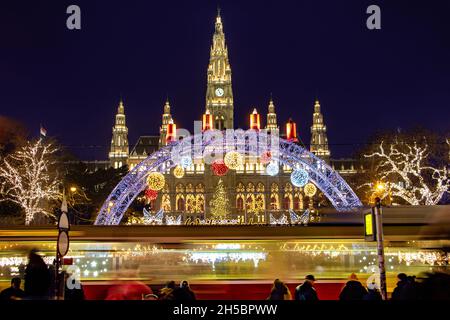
(220,205)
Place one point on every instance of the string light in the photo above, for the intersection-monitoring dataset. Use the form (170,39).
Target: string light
(26,180)
(299,177)
(178,172)
(156,181)
(233,160)
(220,206)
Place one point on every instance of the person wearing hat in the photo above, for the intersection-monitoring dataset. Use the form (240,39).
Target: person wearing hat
(306,291)
(353,290)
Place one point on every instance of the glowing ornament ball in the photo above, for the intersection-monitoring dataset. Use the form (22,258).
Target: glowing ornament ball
(299,177)
(272,169)
(219,168)
(266,157)
(310,189)
(156,181)
(151,194)
(178,172)
(233,160)
(185,162)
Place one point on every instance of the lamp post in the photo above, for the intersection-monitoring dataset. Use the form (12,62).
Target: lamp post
(62,246)
(377,211)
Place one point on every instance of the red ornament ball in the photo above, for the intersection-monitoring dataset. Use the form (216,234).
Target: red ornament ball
(266,157)
(151,194)
(219,168)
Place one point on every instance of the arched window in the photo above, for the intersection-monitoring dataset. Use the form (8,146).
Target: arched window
(180,204)
(287,203)
(165,202)
(260,205)
(296,202)
(250,203)
(274,202)
(240,203)
(200,203)
(190,203)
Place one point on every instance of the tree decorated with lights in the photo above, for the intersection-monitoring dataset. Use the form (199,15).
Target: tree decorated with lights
(220,204)
(27,179)
(412,170)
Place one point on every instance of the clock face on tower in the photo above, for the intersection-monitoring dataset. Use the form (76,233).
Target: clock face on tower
(219,92)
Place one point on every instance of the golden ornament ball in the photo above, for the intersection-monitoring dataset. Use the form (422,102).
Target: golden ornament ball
(156,181)
(310,189)
(233,160)
(178,172)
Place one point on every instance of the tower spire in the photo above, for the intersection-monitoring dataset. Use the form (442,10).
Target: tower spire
(166,120)
(272,125)
(119,152)
(319,140)
(219,93)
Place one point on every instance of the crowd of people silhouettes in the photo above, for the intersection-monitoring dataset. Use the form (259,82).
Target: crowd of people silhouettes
(40,285)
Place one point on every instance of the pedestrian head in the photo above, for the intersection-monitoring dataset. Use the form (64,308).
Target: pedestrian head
(402,276)
(15,282)
(310,278)
(170,284)
(184,284)
(353,276)
(278,284)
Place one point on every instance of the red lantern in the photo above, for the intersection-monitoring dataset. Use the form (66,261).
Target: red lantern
(291,131)
(219,168)
(255,122)
(151,194)
(207,121)
(266,157)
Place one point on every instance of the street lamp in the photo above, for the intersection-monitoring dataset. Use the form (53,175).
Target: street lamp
(380,186)
(73,189)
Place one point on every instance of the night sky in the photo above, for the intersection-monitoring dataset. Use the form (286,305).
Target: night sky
(71,81)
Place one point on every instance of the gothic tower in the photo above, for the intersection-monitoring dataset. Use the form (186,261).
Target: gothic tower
(219,94)
(319,140)
(166,118)
(118,155)
(271,118)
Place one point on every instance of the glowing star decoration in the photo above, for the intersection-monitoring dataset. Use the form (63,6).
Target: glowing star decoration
(233,160)
(219,168)
(272,169)
(299,177)
(186,162)
(178,172)
(156,181)
(310,189)
(266,157)
(151,194)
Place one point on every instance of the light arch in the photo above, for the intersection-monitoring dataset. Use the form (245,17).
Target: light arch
(332,185)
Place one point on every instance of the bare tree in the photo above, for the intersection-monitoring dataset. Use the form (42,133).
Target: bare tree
(29,179)
(405,169)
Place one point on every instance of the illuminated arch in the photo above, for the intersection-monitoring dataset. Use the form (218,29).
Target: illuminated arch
(289,154)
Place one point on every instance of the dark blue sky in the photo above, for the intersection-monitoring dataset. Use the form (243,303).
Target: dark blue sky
(71,80)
